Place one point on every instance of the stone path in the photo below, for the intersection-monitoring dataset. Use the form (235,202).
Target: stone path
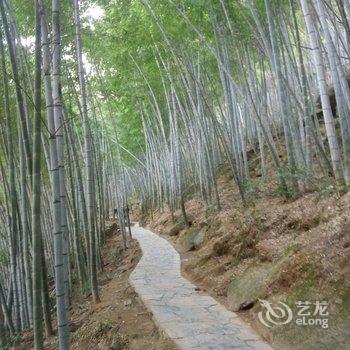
(191,319)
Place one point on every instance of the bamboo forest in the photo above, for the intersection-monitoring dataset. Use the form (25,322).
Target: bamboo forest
(175,174)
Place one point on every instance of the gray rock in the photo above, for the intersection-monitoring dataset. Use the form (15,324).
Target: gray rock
(250,286)
(127,302)
(199,238)
(175,230)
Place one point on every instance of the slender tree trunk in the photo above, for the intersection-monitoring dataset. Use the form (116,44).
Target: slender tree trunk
(36,210)
(6,310)
(19,95)
(322,85)
(13,218)
(88,158)
(340,95)
(46,296)
(61,306)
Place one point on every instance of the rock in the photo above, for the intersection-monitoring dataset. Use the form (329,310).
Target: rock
(247,287)
(194,237)
(199,238)
(190,219)
(127,302)
(187,240)
(175,230)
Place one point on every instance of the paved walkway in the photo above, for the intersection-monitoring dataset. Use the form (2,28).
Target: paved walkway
(191,319)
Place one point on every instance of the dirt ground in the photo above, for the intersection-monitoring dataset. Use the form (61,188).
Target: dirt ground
(120,320)
(277,250)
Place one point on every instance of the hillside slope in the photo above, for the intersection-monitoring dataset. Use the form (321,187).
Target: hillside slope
(295,251)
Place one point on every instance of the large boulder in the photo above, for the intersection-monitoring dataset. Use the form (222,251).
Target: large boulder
(175,230)
(249,286)
(255,280)
(180,225)
(199,238)
(194,237)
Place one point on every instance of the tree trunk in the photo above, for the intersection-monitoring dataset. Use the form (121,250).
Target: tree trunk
(88,158)
(36,209)
(322,86)
(61,306)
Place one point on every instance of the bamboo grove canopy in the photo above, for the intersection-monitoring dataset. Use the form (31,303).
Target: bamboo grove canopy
(107,103)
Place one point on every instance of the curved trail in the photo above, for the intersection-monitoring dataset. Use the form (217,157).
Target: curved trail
(191,319)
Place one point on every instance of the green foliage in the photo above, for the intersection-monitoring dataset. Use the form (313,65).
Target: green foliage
(128,36)
(4,258)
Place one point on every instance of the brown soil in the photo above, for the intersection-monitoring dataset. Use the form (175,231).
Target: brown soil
(120,320)
(305,240)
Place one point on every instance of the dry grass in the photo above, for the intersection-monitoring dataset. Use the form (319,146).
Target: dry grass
(306,241)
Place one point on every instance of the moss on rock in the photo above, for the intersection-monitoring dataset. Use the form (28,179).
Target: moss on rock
(248,286)
(194,237)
